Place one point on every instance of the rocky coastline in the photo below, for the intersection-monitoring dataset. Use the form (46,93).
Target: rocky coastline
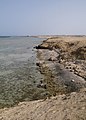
(62,62)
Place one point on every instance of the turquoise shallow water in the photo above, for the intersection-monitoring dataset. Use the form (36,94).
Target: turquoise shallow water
(18,72)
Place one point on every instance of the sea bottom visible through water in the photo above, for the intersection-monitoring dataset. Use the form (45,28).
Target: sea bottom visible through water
(19,76)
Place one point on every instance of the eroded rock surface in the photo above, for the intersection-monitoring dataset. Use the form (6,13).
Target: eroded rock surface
(61,107)
(63,67)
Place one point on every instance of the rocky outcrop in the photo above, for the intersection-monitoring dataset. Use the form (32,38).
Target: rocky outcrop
(71,52)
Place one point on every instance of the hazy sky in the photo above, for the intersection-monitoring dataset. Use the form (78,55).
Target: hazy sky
(35,17)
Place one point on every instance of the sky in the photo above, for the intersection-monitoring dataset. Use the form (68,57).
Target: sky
(42,17)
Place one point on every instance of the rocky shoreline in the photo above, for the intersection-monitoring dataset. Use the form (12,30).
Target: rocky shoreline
(62,62)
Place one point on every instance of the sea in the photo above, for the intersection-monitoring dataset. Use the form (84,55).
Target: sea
(19,75)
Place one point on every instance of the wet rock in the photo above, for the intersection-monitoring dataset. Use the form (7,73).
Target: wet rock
(43,47)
